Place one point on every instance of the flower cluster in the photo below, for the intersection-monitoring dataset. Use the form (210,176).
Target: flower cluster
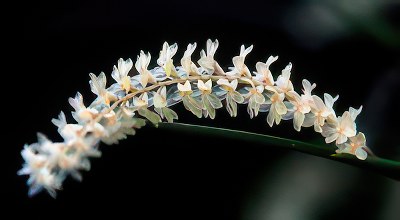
(142,93)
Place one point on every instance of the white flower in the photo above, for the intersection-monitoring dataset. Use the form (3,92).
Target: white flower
(186,61)
(59,156)
(240,69)
(40,177)
(82,114)
(277,108)
(300,107)
(98,87)
(185,89)
(205,88)
(356,146)
(165,58)
(142,101)
(232,97)
(307,89)
(255,98)
(120,74)
(141,65)
(160,105)
(283,83)
(207,61)
(189,102)
(210,101)
(263,73)
(321,112)
(160,98)
(339,130)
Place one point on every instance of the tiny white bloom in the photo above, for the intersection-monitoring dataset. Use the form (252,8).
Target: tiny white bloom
(186,60)
(307,89)
(209,100)
(283,83)
(228,86)
(204,87)
(240,69)
(165,58)
(141,65)
(185,88)
(300,107)
(120,74)
(207,61)
(160,105)
(321,112)
(277,108)
(263,73)
(232,96)
(142,101)
(255,98)
(82,113)
(356,146)
(160,98)
(339,130)
(98,87)
(36,166)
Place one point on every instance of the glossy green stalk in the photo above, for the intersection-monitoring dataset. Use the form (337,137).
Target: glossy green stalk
(388,168)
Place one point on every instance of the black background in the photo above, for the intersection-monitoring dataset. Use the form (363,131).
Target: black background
(159,174)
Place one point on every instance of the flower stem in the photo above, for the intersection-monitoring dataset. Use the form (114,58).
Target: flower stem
(385,167)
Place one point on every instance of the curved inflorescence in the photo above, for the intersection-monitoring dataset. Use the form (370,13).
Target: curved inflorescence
(123,107)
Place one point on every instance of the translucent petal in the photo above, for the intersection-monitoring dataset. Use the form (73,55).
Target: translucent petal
(329,100)
(280,108)
(278,118)
(191,107)
(271,116)
(341,139)
(355,112)
(170,114)
(361,153)
(288,116)
(317,127)
(76,175)
(214,101)
(151,116)
(331,138)
(34,189)
(237,97)
(208,107)
(259,98)
(231,106)
(328,130)
(238,62)
(159,101)
(298,120)
(207,64)
(309,120)
(319,104)
(265,107)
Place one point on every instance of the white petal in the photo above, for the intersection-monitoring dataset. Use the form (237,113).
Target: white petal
(280,108)
(270,60)
(331,138)
(329,100)
(361,154)
(298,120)
(341,139)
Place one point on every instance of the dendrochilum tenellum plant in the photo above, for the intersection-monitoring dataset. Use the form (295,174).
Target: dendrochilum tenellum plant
(130,101)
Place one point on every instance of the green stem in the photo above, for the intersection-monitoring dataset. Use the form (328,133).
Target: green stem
(388,168)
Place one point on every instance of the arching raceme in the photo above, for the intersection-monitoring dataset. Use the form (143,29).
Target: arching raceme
(150,93)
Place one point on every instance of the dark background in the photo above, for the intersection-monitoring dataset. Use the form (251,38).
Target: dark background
(349,48)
